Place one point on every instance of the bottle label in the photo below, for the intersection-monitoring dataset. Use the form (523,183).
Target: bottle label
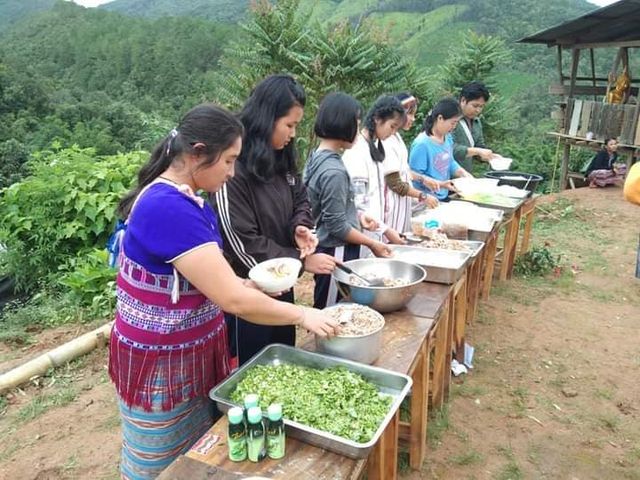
(255,444)
(237,446)
(275,442)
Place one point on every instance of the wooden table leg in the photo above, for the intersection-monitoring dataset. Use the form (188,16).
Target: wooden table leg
(419,409)
(446,380)
(529,215)
(510,236)
(440,357)
(488,265)
(513,247)
(473,286)
(383,459)
(460,320)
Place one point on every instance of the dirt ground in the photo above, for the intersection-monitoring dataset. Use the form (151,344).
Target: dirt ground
(554,393)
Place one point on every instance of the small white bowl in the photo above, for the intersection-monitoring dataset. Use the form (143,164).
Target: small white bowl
(266,275)
(500,163)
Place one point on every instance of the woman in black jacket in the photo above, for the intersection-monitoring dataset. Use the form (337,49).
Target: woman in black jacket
(602,170)
(264,210)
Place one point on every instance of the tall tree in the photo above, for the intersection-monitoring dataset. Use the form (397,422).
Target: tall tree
(281,39)
(476,59)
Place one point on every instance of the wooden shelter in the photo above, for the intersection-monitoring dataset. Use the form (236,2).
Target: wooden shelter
(584,121)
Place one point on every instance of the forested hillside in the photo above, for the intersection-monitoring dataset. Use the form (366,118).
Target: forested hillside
(99,79)
(422,28)
(12,11)
(115,77)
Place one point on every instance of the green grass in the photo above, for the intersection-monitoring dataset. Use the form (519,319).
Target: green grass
(609,422)
(405,410)
(70,464)
(438,424)
(604,393)
(403,461)
(60,388)
(510,471)
(8,449)
(520,396)
(467,390)
(43,402)
(467,458)
(19,321)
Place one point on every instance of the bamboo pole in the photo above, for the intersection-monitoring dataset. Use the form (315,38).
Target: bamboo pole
(56,357)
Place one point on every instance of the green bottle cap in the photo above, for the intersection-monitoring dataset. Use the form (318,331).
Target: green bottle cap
(235,415)
(250,400)
(254,414)
(274,412)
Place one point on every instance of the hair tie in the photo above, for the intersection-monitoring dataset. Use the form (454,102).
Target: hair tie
(172,134)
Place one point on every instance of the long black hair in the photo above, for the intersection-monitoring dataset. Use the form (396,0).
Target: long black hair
(272,99)
(447,107)
(208,124)
(384,108)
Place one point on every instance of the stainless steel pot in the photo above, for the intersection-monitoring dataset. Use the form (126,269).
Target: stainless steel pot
(382,299)
(363,348)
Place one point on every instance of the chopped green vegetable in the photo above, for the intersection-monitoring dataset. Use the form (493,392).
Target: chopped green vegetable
(333,400)
(493,199)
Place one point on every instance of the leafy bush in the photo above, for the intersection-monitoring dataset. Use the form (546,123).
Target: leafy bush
(66,206)
(91,283)
(539,261)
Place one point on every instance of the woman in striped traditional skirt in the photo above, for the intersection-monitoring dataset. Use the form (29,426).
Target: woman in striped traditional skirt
(168,346)
(398,175)
(603,170)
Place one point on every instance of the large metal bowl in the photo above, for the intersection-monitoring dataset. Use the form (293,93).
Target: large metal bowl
(359,348)
(382,299)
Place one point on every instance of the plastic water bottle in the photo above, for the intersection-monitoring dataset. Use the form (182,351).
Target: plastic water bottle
(237,435)
(255,435)
(275,432)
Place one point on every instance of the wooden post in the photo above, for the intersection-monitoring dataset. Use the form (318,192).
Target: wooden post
(593,72)
(560,65)
(564,168)
(575,60)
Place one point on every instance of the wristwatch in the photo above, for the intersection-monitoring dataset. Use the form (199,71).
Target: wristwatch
(422,197)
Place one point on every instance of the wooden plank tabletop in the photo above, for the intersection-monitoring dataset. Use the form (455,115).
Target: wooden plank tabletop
(429,300)
(188,468)
(301,461)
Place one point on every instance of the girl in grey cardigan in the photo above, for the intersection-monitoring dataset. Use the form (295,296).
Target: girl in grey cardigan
(339,224)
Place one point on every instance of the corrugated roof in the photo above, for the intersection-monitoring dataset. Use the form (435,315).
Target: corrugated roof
(618,22)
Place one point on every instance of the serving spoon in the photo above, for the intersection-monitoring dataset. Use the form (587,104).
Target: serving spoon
(374,282)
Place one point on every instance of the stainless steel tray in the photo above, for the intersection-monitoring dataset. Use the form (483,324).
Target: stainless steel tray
(391,383)
(515,203)
(478,236)
(442,266)
(474,248)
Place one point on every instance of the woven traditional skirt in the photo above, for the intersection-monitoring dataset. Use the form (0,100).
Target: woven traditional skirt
(151,440)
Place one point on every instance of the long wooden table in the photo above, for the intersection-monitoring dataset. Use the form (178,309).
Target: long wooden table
(417,341)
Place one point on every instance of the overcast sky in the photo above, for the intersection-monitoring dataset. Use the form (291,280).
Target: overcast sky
(94,3)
